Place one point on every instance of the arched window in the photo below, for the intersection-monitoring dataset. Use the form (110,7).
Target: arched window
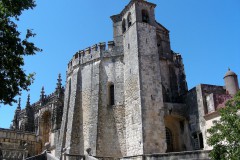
(145,16)
(129,19)
(111,94)
(169,140)
(123,25)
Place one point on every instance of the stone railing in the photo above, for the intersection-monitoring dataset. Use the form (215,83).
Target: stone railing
(13,154)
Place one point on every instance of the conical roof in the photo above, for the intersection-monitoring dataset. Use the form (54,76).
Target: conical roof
(230,73)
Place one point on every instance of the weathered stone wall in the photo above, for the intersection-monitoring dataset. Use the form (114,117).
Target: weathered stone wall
(82,113)
(90,95)
(150,90)
(165,78)
(84,120)
(133,111)
(111,123)
(72,128)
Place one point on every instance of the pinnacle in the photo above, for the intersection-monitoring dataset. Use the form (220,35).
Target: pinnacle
(28,101)
(19,104)
(59,83)
(42,94)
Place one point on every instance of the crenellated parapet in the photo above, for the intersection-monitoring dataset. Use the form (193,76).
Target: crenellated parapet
(94,53)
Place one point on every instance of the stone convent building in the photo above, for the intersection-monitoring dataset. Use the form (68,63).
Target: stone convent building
(125,99)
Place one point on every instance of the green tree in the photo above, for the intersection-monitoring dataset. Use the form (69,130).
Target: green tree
(225,133)
(13,78)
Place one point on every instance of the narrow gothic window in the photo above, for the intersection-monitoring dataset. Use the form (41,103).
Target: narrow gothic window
(145,16)
(129,20)
(123,26)
(111,94)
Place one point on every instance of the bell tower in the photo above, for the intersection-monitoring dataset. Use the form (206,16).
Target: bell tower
(145,129)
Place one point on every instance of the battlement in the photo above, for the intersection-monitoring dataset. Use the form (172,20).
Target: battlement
(95,52)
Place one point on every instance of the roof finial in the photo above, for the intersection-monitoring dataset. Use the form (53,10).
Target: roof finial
(229,69)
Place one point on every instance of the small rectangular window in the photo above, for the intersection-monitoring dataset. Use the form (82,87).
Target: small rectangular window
(111,95)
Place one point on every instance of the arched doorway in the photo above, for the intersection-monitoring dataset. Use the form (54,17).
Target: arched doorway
(176,133)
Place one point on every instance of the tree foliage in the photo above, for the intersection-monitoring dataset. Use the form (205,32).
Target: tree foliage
(225,133)
(13,78)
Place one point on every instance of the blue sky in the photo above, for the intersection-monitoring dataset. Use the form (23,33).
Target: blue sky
(205,32)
